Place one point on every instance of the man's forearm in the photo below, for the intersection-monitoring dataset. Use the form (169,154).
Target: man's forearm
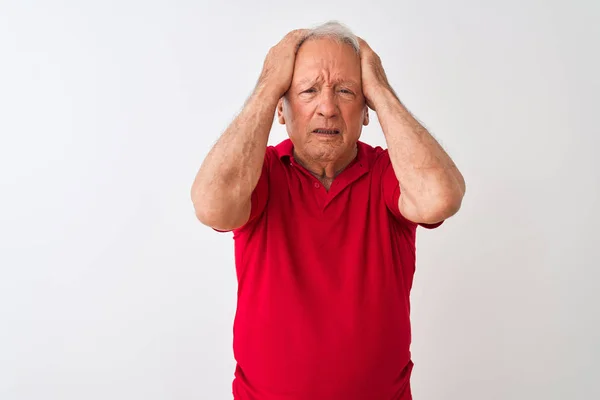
(432,187)
(233,166)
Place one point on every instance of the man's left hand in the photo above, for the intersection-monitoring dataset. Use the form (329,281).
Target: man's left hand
(375,84)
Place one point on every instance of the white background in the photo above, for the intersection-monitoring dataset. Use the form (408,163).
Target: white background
(109,287)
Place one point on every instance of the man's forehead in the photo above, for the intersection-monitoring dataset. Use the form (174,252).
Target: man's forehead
(311,79)
(322,51)
(318,62)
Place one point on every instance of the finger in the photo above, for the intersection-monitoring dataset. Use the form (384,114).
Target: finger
(298,37)
(363,44)
(363,47)
(293,36)
(296,34)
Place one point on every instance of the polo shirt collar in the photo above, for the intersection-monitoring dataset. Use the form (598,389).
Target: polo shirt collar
(354,171)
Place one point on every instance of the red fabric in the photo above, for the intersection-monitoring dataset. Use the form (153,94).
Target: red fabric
(323,284)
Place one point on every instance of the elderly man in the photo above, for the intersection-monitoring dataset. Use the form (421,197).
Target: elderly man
(324,224)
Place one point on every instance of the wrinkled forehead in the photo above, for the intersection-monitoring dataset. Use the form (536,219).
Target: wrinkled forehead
(317,57)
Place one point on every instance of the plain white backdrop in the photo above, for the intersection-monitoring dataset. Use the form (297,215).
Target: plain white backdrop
(109,287)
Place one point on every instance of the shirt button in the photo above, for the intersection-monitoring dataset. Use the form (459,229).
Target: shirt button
(317,185)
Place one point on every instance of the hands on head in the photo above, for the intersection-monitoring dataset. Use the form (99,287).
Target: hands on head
(278,67)
(324,112)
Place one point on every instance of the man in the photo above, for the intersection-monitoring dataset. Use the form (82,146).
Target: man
(324,224)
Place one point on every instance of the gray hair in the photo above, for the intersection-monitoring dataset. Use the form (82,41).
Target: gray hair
(336,31)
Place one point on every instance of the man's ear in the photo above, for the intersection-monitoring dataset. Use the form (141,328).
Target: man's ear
(280,117)
(366,118)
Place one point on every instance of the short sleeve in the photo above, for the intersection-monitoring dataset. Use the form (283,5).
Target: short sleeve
(260,195)
(391,192)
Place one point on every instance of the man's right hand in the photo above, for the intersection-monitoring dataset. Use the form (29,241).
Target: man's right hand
(278,68)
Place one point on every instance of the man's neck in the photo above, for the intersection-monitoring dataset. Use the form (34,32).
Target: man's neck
(327,170)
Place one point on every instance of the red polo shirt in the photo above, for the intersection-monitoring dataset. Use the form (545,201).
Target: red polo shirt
(323,284)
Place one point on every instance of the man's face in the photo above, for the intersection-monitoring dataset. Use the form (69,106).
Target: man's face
(324,109)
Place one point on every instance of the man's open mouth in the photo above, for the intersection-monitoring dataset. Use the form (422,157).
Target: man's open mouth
(326,131)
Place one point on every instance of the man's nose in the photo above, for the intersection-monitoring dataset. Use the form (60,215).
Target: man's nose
(327,104)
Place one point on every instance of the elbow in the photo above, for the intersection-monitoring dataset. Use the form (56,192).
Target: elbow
(201,208)
(434,206)
(202,215)
(446,207)
(432,212)
(206,214)
(452,206)
(212,219)
(218,213)
(451,201)
(201,212)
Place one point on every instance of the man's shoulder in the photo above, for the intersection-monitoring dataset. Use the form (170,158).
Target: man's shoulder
(370,149)
(281,150)
(372,154)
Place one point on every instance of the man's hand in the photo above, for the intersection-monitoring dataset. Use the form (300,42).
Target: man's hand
(374,80)
(278,67)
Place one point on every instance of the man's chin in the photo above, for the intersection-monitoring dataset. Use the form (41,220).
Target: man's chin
(324,151)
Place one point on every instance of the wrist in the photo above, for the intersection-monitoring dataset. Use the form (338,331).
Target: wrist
(268,91)
(384,99)
(265,96)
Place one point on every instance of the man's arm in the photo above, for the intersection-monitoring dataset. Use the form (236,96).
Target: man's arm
(222,190)
(431,186)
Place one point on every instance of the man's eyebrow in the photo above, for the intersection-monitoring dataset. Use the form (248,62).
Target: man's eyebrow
(347,83)
(305,81)
(341,82)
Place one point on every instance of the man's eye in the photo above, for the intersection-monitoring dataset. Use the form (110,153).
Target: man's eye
(311,90)
(346,91)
